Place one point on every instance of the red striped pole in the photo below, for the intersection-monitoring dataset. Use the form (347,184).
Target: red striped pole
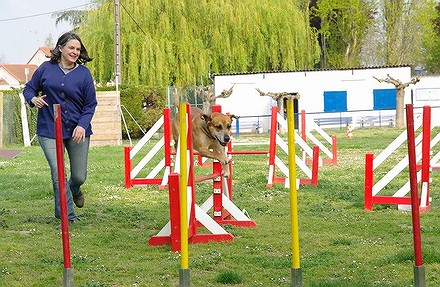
(419,270)
(68,271)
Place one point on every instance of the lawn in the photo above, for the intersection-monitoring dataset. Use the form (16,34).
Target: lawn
(341,244)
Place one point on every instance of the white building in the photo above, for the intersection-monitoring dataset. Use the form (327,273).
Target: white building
(348,93)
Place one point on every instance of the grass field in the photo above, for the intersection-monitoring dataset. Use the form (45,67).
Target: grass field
(341,244)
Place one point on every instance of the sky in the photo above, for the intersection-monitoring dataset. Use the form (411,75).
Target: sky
(26,24)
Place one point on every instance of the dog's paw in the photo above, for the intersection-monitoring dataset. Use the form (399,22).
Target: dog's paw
(226,160)
(225,174)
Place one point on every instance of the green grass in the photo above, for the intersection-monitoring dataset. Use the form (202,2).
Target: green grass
(340,243)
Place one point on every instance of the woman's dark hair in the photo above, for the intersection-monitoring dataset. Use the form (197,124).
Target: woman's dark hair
(62,41)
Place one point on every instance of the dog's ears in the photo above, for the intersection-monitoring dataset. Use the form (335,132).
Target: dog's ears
(206,118)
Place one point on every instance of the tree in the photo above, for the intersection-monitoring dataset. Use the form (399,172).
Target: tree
(432,43)
(342,27)
(209,97)
(174,42)
(400,27)
(74,17)
(400,94)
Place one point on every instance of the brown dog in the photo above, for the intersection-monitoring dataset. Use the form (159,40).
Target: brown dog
(210,134)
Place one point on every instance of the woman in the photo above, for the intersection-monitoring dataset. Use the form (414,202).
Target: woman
(66,81)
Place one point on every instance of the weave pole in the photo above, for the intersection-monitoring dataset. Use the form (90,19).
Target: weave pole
(184,275)
(296,276)
(419,269)
(68,271)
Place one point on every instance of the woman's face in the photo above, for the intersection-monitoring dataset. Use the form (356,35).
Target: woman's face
(70,52)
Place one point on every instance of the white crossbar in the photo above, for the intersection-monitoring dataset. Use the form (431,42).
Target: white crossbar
(134,172)
(395,144)
(146,137)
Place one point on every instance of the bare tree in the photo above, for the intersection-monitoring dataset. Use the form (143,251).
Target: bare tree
(279,98)
(209,98)
(400,94)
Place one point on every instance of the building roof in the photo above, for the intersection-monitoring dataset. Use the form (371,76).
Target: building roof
(18,71)
(309,70)
(45,50)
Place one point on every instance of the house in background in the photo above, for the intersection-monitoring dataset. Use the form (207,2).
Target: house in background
(40,56)
(15,75)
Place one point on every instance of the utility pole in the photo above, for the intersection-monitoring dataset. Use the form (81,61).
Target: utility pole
(117,55)
(117,45)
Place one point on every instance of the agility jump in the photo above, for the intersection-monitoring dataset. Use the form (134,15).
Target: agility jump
(307,126)
(423,144)
(131,173)
(225,212)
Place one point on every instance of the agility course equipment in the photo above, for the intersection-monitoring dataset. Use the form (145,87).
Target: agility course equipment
(274,162)
(419,269)
(225,212)
(424,144)
(68,271)
(131,173)
(296,272)
(329,147)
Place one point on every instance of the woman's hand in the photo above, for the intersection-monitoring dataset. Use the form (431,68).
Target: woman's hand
(39,102)
(79,134)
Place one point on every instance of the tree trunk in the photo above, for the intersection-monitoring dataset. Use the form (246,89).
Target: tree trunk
(400,108)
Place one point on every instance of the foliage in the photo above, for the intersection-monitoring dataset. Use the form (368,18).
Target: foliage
(432,44)
(403,22)
(343,26)
(144,105)
(177,42)
(372,33)
(12,123)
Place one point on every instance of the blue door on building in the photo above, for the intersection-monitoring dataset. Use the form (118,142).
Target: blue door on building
(335,101)
(384,99)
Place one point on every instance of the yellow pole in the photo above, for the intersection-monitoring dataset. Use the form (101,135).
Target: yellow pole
(296,270)
(183,188)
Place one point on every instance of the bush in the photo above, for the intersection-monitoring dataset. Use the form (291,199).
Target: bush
(145,106)
(12,123)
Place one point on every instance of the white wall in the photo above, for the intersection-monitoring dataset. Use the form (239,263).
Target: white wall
(13,82)
(427,92)
(358,83)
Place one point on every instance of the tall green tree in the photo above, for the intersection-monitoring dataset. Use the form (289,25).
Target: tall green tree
(166,42)
(342,26)
(432,43)
(405,23)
